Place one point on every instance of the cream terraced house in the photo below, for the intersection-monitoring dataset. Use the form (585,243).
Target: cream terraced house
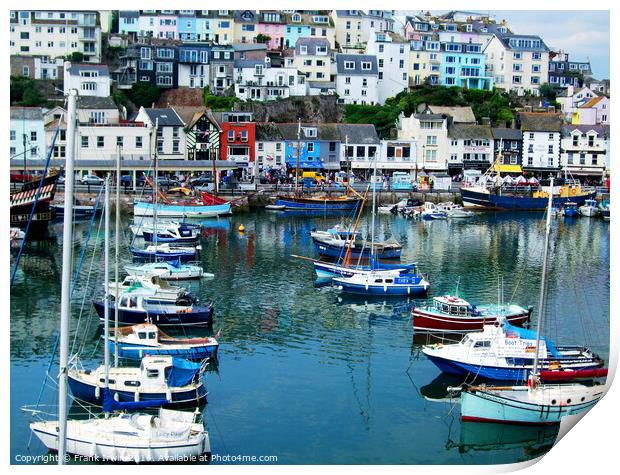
(313,58)
(430,132)
(585,150)
(424,62)
(53,33)
(517,62)
(541,141)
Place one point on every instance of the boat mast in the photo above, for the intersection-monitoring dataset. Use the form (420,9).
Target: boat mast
(106,285)
(374,198)
(65,299)
(155,187)
(543,284)
(117,246)
(298,152)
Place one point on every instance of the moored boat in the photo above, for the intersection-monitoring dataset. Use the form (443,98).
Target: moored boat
(383,283)
(172,270)
(165,252)
(310,203)
(454,314)
(589,208)
(570,210)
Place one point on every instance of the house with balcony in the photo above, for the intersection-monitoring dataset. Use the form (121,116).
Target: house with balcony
(393,55)
(463,65)
(430,133)
(419,28)
(256,80)
(507,149)
(128,23)
(308,25)
(356,80)
(359,146)
(471,147)
(156,63)
(272,23)
(425,58)
(350,34)
(541,142)
(313,59)
(27,133)
(584,150)
(563,73)
(168,137)
(238,139)
(55,33)
(223,26)
(88,79)
(222,68)
(187,25)
(193,65)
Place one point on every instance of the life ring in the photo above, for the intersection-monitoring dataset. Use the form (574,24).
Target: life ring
(573,191)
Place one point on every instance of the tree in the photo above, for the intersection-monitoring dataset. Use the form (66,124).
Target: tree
(26,92)
(33,97)
(76,57)
(218,102)
(547,91)
(260,38)
(143,94)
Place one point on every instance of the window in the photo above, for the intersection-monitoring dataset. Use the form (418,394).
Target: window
(303,49)
(349,65)
(536,56)
(431,140)
(401,64)
(164,67)
(310,147)
(550,136)
(13,135)
(13,151)
(119,141)
(100,142)
(517,55)
(431,155)
(535,79)
(380,63)
(139,142)
(516,79)
(516,67)
(25,71)
(231,135)
(550,149)
(84,141)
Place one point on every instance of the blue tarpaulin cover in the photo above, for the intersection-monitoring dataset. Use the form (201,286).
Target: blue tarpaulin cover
(110,404)
(182,372)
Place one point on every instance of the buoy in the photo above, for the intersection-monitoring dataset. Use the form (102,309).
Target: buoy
(241,228)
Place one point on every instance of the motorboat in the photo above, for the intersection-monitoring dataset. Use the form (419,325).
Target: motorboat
(589,208)
(453,210)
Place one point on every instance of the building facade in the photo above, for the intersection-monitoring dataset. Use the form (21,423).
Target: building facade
(584,150)
(356,80)
(168,136)
(393,56)
(541,142)
(87,79)
(27,133)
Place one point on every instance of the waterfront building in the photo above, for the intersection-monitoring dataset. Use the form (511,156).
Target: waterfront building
(221,70)
(359,146)
(356,80)
(563,73)
(313,59)
(517,62)
(88,79)
(245,26)
(193,65)
(541,141)
(471,147)
(238,139)
(584,150)
(430,132)
(36,68)
(269,147)
(169,137)
(106,141)
(507,147)
(463,65)
(256,80)
(307,142)
(393,54)
(54,33)
(272,24)
(202,133)
(27,133)
(595,111)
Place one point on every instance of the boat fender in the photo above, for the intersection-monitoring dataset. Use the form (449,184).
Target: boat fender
(385,288)
(116,397)
(97,392)
(366,286)
(573,191)
(168,394)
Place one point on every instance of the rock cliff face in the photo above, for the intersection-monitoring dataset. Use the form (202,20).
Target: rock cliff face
(319,109)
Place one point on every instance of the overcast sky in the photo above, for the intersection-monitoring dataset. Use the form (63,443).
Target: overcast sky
(582,34)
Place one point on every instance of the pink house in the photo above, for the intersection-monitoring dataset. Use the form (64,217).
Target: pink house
(167,26)
(272,24)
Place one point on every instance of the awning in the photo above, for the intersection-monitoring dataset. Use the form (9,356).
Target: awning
(507,168)
(306,164)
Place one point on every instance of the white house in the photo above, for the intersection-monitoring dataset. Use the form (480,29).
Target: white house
(595,111)
(312,58)
(397,155)
(257,80)
(356,80)
(471,147)
(393,56)
(105,141)
(359,146)
(269,147)
(541,141)
(55,33)
(97,110)
(584,149)
(571,98)
(430,132)
(169,140)
(27,133)
(87,79)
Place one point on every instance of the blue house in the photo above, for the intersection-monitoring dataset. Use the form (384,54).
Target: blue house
(295,28)
(308,147)
(187,27)
(463,65)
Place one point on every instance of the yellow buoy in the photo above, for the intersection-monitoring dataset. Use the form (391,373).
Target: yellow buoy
(241,228)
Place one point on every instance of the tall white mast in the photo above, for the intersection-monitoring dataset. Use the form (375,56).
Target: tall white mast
(543,284)
(65,296)
(106,285)
(116,252)
(374,193)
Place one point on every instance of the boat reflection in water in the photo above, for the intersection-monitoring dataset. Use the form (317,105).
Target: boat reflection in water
(437,389)
(376,305)
(535,441)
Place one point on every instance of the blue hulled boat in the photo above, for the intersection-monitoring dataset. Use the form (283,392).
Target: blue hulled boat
(480,197)
(570,210)
(165,252)
(384,283)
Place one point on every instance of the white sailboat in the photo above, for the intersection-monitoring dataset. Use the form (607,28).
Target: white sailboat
(535,403)
(170,436)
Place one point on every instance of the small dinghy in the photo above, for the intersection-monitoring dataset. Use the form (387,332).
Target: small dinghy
(275,207)
(167,270)
(165,251)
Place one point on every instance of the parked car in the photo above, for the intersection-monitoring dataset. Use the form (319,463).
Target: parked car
(201,181)
(91,180)
(127,180)
(166,181)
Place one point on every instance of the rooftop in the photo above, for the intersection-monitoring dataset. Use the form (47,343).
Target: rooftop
(165,117)
(458,114)
(94,102)
(357,60)
(77,68)
(26,113)
(506,134)
(470,131)
(540,121)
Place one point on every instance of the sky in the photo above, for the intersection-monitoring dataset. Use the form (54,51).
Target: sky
(582,34)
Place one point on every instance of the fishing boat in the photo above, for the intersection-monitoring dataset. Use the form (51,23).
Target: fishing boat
(162,292)
(383,283)
(454,314)
(334,241)
(432,211)
(589,208)
(127,438)
(453,210)
(79,210)
(34,198)
(175,380)
(137,341)
(204,206)
(175,234)
(325,269)
(166,252)
(317,203)
(141,438)
(570,210)
(136,307)
(173,270)
(275,207)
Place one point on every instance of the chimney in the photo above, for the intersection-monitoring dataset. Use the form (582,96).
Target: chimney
(485,121)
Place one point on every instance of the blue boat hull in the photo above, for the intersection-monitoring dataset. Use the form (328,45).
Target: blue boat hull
(303,205)
(136,352)
(495,201)
(141,208)
(169,256)
(571,213)
(88,393)
(328,269)
(150,237)
(412,289)
(517,373)
(336,252)
(199,316)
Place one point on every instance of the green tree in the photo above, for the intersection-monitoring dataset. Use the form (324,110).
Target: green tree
(218,103)
(76,57)
(143,94)
(260,38)
(547,91)
(33,97)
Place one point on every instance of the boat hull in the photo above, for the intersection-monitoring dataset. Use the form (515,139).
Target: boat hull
(188,255)
(172,274)
(333,251)
(404,289)
(199,316)
(149,236)
(301,204)
(136,352)
(428,321)
(328,269)
(484,406)
(141,208)
(476,199)
(89,393)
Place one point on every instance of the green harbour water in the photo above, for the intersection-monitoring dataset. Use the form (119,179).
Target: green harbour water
(315,377)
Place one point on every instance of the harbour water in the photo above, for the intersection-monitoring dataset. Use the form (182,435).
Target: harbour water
(310,376)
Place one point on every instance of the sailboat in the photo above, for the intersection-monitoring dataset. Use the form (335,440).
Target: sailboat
(172,270)
(535,403)
(117,437)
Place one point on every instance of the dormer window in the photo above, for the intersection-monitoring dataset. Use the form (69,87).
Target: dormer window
(319,19)
(349,65)
(222,12)
(296,18)
(310,131)
(303,49)
(321,50)
(366,65)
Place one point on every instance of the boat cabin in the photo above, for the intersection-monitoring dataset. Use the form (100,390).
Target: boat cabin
(504,343)
(453,306)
